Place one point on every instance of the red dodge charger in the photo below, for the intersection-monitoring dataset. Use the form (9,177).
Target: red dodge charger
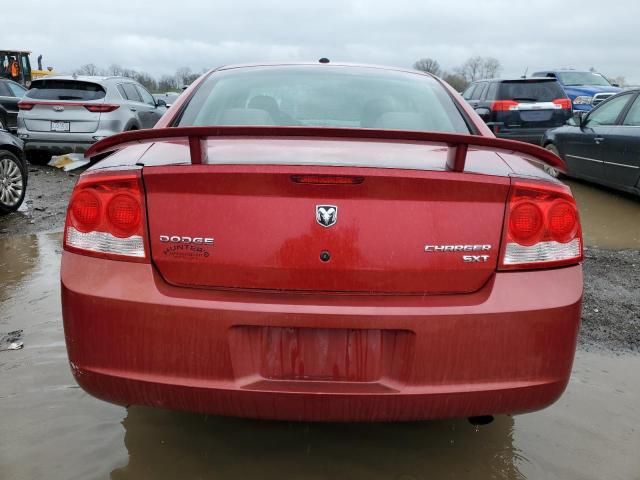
(322,242)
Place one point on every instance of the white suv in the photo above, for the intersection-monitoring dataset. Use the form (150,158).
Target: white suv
(64,114)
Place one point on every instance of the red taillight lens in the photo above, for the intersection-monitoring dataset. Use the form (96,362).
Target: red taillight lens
(542,227)
(106,216)
(85,210)
(101,107)
(562,221)
(525,223)
(124,214)
(22,105)
(504,105)
(564,103)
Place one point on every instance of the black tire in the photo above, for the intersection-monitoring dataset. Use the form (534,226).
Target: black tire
(550,170)
(13,182)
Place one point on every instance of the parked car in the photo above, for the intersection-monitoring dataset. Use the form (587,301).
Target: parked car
(520,109)
(602,146)
(64,114)
(10,94)
(322,242)
(585,89)
(13,173)
(168,98)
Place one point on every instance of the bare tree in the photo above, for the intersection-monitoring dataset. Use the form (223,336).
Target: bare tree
(167,83)
(115,70)
(88,69)
(428,65)
(477,68)
(183,76)
(471,69)
(491,67)
(146,80)
(456,80)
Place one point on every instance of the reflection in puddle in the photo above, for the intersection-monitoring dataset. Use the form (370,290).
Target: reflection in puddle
(167,445)
(609,219)
(52,429)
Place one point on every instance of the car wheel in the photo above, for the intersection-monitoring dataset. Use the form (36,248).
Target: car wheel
(550,170)
(12,182)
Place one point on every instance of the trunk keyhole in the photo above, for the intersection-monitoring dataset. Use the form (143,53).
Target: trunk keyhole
(325,256)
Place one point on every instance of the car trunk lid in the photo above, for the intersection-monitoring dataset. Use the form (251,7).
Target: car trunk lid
(314,216)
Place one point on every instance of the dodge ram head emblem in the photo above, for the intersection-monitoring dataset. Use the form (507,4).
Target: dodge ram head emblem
(326,215)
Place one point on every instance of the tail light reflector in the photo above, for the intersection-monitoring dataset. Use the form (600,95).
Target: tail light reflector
(25,105)
(101,107)
(542,227)
(504,105)
(106,216)
(564,103)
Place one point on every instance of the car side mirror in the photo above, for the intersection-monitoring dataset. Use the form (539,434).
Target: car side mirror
(484,114)
(578,119)
(160,103)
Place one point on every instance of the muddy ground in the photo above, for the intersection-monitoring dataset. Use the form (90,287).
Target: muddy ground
(611,221)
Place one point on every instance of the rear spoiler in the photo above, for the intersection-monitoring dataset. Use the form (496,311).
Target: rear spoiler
(457,144)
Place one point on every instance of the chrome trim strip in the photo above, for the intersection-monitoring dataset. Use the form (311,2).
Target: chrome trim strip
(622,165)
(585,158)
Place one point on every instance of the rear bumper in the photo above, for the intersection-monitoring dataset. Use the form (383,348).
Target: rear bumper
(133,339)
(528,135)
(59,143)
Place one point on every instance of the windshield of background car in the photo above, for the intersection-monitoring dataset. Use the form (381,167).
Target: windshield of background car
(570,79)
(324,96)
(65,90)
(530,91)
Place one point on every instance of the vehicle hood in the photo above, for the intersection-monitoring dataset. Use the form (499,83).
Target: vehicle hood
(589,90)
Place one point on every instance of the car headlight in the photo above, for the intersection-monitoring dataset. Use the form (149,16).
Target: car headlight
(582,100)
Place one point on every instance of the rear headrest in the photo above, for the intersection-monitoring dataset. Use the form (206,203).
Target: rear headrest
(245,116)
(402,121)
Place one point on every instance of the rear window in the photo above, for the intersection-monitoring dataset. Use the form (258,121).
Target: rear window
(65,90)
(324,96)
(530,91)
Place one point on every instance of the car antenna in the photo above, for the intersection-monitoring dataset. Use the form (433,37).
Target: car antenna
(524,75)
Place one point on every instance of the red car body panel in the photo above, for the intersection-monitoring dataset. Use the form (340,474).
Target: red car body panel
(134,339)
(254,323)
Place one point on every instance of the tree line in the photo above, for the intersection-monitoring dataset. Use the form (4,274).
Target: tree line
(165,83)
(478,68)
(475,68)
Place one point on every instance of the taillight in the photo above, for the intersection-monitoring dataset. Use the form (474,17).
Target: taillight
(101,107)
(25,105)
(504,105)
(106,216)
(542,227)
(564,103)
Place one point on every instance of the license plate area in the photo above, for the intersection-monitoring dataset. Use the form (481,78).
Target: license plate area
(321,354)
(57,126)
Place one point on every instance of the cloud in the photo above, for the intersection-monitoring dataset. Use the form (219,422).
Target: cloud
(162,35)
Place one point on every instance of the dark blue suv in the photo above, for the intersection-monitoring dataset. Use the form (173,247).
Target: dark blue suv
(585,89)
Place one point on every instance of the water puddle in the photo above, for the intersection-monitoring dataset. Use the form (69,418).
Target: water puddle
(51,429)
(610,219)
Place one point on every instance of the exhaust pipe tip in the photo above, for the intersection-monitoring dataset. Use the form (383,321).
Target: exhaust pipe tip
(481,420)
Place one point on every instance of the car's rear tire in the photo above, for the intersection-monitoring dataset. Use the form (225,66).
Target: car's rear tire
(549,169)
(13,182)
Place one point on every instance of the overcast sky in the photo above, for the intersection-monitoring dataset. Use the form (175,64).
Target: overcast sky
(161,35)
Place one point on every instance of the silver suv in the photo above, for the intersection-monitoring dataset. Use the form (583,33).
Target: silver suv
(63,114)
